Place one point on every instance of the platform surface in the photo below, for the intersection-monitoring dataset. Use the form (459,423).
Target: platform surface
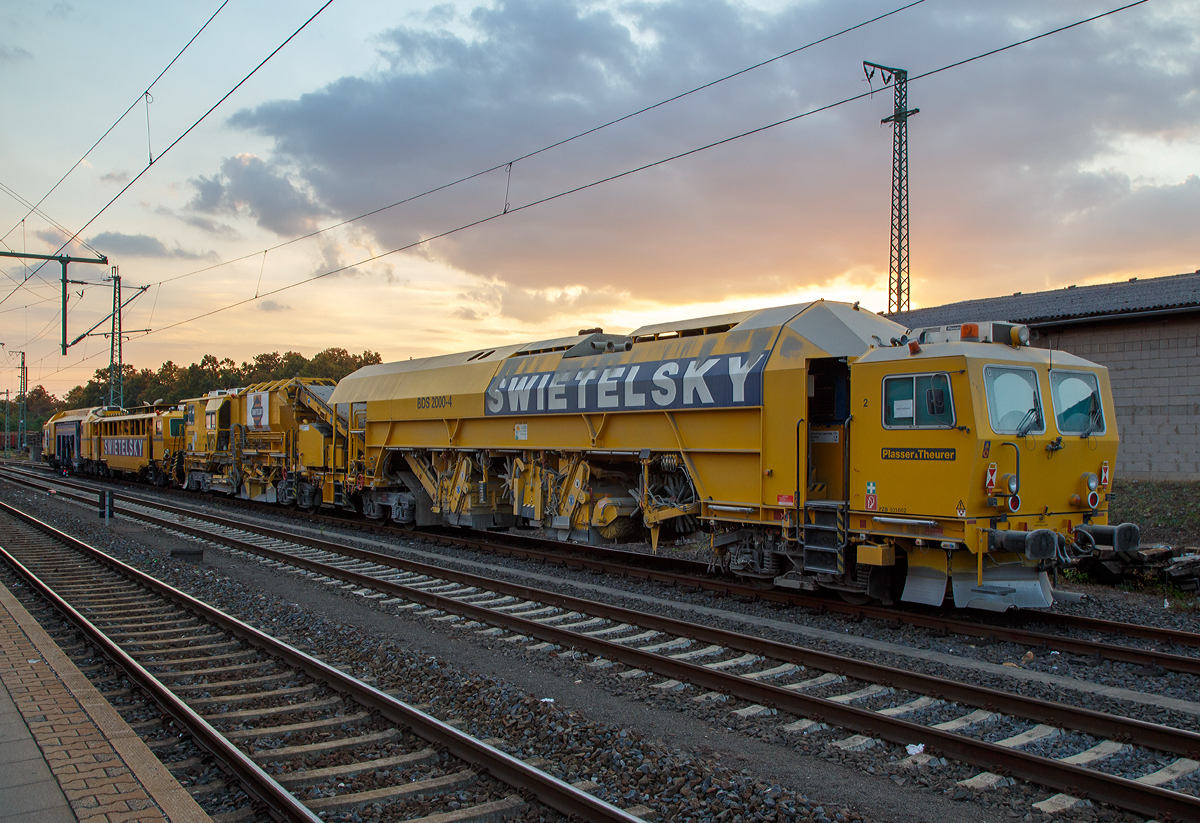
(66,755)
(29,792)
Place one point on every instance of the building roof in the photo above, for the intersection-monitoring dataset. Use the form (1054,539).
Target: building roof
(1072,304)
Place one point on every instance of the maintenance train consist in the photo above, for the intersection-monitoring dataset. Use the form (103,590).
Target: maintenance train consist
(819,447)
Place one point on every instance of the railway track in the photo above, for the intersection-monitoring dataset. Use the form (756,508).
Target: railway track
(268,711)
(1162,652)
(876,703)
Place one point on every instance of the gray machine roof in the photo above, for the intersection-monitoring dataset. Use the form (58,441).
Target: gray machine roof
(1071,304)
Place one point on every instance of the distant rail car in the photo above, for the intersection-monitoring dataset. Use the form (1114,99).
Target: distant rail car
(62,438)
(275,442)
(108,440)
(818,446)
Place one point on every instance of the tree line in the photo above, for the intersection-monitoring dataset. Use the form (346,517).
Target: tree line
(171,383)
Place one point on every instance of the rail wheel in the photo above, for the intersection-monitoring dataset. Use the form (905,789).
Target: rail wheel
(855,598)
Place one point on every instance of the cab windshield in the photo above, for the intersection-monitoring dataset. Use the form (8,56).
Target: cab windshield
(1014,402)
(1077,406)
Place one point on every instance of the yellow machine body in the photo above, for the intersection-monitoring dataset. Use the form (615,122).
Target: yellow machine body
(62,438)
(776,432)
(107,441)
(815,446)
(278,441)
(937,488)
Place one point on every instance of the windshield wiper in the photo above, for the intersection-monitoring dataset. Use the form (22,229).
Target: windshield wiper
(1094,415)
(1031,419)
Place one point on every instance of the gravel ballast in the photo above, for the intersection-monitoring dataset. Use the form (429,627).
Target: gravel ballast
(752,768)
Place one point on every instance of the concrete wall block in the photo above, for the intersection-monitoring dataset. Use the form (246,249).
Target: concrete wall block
(1172,467)
(1154,370)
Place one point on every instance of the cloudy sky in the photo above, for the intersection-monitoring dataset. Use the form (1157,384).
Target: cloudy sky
(1073,159)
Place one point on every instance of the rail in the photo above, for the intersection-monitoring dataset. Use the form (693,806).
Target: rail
(1118,791)
(555,793)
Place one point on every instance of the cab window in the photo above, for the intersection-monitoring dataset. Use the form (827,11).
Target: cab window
(1014,400)
(1076,399)
(917,401)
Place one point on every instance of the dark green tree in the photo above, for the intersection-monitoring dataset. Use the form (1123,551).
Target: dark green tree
(172,383)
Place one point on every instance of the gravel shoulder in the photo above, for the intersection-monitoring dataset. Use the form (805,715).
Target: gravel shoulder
(841,791)
(706,739)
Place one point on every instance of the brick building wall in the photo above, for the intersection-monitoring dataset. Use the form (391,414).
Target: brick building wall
(1154,368)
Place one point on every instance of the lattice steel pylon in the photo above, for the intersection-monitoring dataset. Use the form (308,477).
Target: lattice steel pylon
(116,373)
(22,422)
(898,259)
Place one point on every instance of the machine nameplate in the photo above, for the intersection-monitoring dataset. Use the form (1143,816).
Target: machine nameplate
(890,453)
(123,447)
(702,382)
(823,436)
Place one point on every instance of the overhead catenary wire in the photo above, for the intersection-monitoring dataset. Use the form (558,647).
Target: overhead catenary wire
(34,209)
(24,281)
(507,165)
(628,172)
(86,357)
(52,298)
(29,305)
(100,139)
(185,133)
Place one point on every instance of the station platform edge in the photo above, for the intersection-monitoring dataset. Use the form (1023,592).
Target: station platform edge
(66,754)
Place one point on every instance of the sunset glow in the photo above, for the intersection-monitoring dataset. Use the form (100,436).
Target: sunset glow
(1070,160)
